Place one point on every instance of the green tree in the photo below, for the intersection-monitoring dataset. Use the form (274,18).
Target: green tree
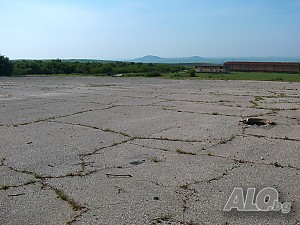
(192,72)
(6,66)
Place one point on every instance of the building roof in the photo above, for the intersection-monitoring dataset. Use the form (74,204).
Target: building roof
(263,63)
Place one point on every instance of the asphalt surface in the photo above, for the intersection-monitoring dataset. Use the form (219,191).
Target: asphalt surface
(88,150)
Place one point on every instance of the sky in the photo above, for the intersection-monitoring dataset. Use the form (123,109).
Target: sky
(127,29)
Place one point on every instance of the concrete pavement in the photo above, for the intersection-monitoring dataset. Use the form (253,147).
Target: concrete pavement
(88,150)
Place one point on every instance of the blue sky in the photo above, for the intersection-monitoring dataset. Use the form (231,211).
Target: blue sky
(125,29)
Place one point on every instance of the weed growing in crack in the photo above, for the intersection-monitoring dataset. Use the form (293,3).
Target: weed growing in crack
(184,186)
(38,176)
(191,223)
(277,164)
(43,185)
(3,187)
(86,173)
(154,159)
(108,130)
(114,131)
(2,161)
(30,182)
(114,144)
(184,205)
(61,194)
(224,141)
(240,160)
(254,104)
(74,205)
(258,98)
(273,109)
(209,153)
(281,95)
(80,173)
(179,151)
(72,174)
(166,217)
(163,218)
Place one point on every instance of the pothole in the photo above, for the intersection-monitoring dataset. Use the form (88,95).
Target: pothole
(257,121)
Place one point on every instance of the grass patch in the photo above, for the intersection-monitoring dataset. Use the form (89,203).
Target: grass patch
(259,76)
(185,74)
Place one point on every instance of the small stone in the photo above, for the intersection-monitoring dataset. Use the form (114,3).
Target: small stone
(262,158)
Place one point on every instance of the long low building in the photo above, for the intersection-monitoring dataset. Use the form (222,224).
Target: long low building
(287,67)
(212,69)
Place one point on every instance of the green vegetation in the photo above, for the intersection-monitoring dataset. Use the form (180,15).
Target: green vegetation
(57,66)
(192,72)
(60,67)
(6,66)
(74,205)
(259,76)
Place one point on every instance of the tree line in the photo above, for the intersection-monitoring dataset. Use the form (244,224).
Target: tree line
(58,66)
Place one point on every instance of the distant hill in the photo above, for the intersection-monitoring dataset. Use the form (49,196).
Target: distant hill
(157,59)
(216,60)
(87,60)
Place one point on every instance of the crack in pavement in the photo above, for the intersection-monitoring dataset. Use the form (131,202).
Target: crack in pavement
(77,208)
(240,161)
(264,136)
(58,117)
(92,127)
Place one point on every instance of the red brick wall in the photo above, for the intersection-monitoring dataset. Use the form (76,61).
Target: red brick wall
(263,66)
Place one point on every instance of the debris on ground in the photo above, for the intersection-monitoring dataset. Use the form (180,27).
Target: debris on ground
(257,121)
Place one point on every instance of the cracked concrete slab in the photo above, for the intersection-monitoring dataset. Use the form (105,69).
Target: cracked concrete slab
(32,205)
(90,150)
(210,197)
(50,148)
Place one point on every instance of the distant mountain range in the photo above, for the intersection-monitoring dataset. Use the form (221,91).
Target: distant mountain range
(192,60)
(220,60)
(157,59)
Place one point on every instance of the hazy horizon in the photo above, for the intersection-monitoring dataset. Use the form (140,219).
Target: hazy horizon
(128,29)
